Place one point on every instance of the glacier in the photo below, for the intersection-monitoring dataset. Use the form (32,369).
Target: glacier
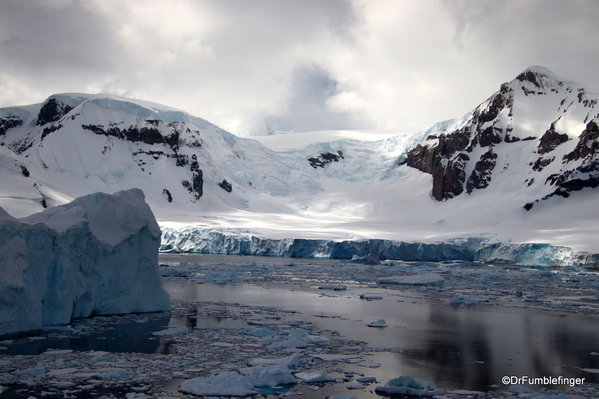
(97,255)
(484,249)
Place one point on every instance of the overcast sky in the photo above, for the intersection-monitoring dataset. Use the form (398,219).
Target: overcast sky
(253,66)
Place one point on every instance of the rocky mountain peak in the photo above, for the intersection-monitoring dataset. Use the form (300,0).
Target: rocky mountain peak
(538,115)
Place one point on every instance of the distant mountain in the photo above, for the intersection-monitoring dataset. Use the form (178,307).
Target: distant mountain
(537,134)
(533,142)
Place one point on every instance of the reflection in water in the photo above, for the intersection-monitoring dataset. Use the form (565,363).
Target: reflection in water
(111,336)
(466,348)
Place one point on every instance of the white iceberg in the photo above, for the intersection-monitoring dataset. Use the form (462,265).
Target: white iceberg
(228,383)
(408,385)
(271,376)
(95,255)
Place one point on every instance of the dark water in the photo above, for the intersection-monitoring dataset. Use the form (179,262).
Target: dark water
(114,335)
(463,348)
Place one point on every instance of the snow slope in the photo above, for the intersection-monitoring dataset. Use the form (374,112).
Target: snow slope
(323,185)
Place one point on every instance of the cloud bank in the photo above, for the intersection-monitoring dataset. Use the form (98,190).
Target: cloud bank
(254,67)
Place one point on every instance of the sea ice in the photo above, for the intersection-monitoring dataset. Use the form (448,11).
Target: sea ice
(171,331)
(408,385)
(271,376)
(418,279)
(379,323)
(315,376)
(370,296)
(227,383)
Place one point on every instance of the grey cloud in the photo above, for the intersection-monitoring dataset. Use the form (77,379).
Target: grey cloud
(306,108)
(43,42)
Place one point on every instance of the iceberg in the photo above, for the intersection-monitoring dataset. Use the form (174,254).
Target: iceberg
(97,255)
(408,385)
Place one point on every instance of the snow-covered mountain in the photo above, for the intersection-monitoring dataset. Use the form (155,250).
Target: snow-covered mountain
(522,166)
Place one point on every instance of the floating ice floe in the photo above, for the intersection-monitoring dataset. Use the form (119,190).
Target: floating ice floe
(291,362)
(261,332)
(466,301)
(379,323)
(228,383)
(334,287)
(418,279)
(408,385)
(370,296)
(334,357)
(171,332)
(315,376)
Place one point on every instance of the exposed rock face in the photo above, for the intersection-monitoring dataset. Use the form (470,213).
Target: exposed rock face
(469,156)
(481,175)
(325,158)
(9,122)
(95,255)
(51,111)
(550,140)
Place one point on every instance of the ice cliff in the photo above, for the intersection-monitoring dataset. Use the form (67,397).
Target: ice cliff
(479,249)
(95,255)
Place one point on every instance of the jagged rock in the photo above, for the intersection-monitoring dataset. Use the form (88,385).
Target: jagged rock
(225,185)
(550,140)
(481,175)
(9,122)
(325,158)
(52,111)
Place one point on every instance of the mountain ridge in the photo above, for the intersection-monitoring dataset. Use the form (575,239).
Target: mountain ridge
(531,144)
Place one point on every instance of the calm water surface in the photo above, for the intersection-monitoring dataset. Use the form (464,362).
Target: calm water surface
(463,348)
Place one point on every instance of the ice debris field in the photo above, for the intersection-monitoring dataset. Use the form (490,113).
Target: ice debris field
(223,347)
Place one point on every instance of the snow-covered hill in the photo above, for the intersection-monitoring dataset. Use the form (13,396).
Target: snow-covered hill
(521,166)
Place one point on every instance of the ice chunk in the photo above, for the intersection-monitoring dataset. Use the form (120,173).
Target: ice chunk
(418,279)
(408,385)
(115,373)
(334,357)
(228,383)
(367,363)
(370,296)
(316,376)
(97,254)
(172,331)
(379,323)
(271,376)
(37,369)
(370,259)
(466,301)
(261,332)
(291,362)
(334,287)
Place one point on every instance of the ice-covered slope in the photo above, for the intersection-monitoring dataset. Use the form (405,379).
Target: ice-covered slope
(535,139)
(96,255)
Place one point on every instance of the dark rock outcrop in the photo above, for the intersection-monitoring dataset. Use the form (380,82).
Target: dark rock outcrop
(325,158)
(481,175)
(51,111)
(9,122)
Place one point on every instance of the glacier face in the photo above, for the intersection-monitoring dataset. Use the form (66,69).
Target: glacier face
(477,249)
(95,255)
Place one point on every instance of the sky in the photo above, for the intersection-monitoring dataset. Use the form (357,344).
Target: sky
(261,66)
